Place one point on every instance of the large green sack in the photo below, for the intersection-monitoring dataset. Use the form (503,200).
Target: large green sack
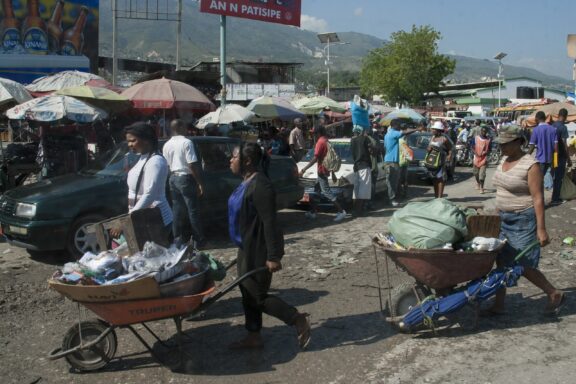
(427,225)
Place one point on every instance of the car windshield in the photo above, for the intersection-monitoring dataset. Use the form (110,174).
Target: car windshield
(418,140)
(342,149)
(115,162)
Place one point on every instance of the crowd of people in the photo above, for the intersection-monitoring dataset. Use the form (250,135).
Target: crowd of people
(253,225)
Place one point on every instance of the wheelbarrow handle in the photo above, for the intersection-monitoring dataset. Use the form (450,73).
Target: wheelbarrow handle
(228,287)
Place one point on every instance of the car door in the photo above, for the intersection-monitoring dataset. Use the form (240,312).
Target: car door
(219,181)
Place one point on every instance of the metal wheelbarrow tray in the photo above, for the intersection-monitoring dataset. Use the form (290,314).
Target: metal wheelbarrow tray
(441,269)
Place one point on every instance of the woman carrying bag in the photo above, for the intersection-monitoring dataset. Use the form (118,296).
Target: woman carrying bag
(147,178)
(254,229)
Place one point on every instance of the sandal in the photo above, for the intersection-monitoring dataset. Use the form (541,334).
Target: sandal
(555,310)
(305,332)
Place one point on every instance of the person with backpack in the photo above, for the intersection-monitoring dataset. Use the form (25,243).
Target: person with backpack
(437,156)
(327,163)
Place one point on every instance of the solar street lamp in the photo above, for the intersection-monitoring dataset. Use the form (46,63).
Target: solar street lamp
(499,57)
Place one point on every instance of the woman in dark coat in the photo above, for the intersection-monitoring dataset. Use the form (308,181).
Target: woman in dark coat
(254,228)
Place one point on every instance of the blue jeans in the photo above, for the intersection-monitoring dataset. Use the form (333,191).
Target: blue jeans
(184,193)
(544,168)
(558,174)
(392,173)
(520,230)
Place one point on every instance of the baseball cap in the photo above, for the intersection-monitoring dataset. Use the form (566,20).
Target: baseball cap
(509,133)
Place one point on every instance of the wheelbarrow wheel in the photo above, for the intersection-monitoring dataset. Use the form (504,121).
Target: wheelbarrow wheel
(403,298)
(98,355)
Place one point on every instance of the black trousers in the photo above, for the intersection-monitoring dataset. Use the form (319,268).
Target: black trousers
(256,300)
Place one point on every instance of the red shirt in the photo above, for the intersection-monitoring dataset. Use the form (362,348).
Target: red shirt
(320,152)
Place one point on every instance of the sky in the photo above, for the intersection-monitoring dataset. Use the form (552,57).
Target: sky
(532,32)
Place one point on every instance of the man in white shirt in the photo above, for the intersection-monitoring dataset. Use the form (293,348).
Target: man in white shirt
(296,141)
(185,184)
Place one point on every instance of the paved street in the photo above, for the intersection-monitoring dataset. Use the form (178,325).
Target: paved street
(329,272)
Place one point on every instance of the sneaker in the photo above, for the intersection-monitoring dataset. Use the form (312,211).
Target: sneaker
(340,216)
(394,203)
(310,215)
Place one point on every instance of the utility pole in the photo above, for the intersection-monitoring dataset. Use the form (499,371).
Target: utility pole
(223,60)
(114,58)
(178,35)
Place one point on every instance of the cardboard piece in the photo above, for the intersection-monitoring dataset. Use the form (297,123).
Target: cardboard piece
(144,288)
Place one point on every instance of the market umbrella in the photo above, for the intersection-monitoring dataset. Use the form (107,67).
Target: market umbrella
(476,291)
(11,91)
(405,113)
(230,113)
(61,80)
(53,108)
(551,111)
(271,107)
(167,94)
(103,98)
(316,104)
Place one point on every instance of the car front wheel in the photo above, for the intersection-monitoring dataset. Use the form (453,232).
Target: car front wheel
(80,240)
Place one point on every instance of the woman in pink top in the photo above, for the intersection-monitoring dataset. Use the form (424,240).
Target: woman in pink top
(520,201)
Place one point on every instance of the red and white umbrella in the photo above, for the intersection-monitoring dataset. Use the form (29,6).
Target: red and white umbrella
(167,94)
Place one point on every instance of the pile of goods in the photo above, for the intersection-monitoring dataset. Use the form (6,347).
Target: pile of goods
(177,271)
(441,224)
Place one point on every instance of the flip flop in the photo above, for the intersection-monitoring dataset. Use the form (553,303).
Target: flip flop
(554,311)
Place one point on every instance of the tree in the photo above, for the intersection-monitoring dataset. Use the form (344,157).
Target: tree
(406,67)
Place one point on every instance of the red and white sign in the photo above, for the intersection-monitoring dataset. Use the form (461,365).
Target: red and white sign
(273,11)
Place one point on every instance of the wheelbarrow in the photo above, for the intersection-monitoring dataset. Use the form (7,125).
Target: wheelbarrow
(90,345)
(440,273)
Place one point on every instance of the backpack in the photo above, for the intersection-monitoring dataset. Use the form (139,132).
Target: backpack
(435,157)
(331,161)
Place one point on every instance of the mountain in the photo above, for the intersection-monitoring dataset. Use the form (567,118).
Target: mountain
(259,41)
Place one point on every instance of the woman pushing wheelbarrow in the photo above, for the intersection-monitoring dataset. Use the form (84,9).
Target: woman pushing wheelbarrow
(520,200)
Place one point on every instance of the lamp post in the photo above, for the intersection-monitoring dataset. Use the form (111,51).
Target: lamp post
(329,38)
(499,57)
(571,45)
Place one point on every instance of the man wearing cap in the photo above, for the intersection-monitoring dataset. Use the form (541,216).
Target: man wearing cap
(563,158)
(545,139)
(392,158)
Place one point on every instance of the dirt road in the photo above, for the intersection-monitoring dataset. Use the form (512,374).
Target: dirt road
(330,273)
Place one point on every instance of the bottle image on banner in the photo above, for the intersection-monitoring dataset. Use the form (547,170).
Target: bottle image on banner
(73,38)
(34,37)
(54,27)
(10,27)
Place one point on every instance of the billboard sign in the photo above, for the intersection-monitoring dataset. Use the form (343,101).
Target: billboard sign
(52,29)
(273,11)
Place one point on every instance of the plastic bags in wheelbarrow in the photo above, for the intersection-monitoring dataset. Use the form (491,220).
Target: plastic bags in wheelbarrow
(428,225)
(476,291)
